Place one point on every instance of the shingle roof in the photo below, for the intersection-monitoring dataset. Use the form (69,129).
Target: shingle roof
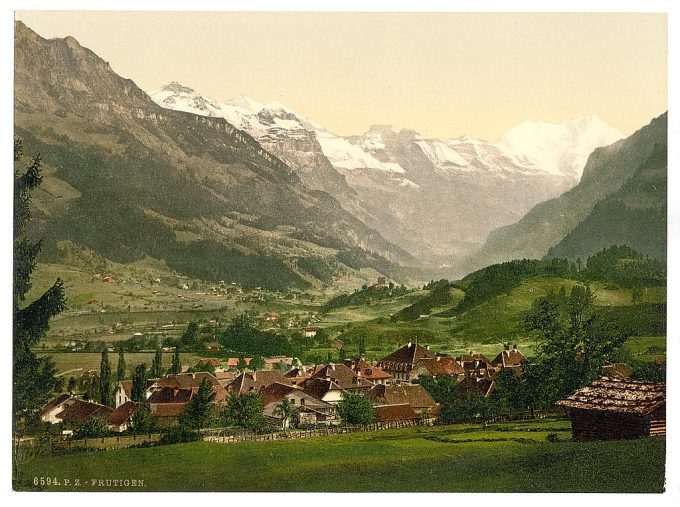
(275,392)
(192,381)
(171,395)
(54,403)
(318,387)
(168,409)
(402,412)
(358,365)
(614,395)
(81,410)
(343,376)
(127,387)
(254,381)
(441,365)
(483,386)
(416,396)
(509,359)
(404,358)
(122,414)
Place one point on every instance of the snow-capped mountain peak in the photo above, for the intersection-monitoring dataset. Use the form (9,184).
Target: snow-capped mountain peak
(559,148)
(246,103)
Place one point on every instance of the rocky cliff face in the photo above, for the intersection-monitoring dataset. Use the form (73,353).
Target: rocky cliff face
(192,190)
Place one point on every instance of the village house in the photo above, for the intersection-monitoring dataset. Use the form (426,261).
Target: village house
(372,374)
(184,381)
(509,358)
(210,362)
(330,381)
(392,413)
(415,396)
(275,361)
(271,316)
(400,363)
(211,346)
(254,381)
(308,409)
(476,365)
(121,418)
(483,386)
(232,362)
(609,409)
(122,392)
(439,366)
(49,412)
(78,411)
(309,332)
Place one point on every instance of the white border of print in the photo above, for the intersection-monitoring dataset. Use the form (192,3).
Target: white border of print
(671,497)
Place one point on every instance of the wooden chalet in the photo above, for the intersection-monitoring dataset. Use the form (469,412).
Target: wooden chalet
(608,409)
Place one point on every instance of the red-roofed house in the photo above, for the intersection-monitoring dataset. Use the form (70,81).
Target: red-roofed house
(509,358)
(373,374)
(416,396)
(121,418)
(400,362)
(48,412)
(308,408)
(391,413)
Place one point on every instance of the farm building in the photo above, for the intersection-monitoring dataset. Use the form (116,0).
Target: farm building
(609,409)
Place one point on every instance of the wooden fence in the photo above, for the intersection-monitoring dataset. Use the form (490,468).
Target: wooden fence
(229,435)
(107,442)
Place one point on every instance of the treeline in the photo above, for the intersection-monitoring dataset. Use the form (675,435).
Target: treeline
(366,295)
(440,295)
(618,264)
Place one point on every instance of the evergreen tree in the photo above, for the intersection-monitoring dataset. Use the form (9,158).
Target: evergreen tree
(157,364)
(190,336)
(198,411)
(355,409)
(257,363)
(120,370)
(341,354)
(139,378)
(176,366)
(34,378)
(244,411)
(362,346)
(105,397)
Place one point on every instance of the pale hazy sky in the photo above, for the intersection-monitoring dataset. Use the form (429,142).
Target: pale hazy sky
(442,74)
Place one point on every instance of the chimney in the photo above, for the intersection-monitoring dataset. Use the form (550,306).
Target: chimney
(362,357)
(439,358)
(506,346)
(514,347)
(254,376)
(427,347)
(409,344)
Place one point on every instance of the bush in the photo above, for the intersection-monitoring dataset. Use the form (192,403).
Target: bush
(92,427)
(553,437)
(179,436)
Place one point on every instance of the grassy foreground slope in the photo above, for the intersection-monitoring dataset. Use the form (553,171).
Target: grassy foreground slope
(460,458)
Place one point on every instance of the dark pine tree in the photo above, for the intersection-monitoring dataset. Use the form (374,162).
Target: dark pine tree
(157,364)
(120,370)
(105,397)
(197,412)
(139,383)
(34,378)
(176,366)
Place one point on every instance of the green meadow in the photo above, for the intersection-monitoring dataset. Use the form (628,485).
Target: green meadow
(511,457)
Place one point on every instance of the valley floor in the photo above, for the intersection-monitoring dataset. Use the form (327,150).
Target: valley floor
(510,457)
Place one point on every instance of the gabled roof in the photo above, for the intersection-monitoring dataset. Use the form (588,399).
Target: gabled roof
(369,372)
(122,414)
(168,409)
(81,410)
(404,357)
(402,412)
(275,392)
(414,395)
(191,381)
(54,403)
(171,395)
(343,376)
(482,386)
(509,359)
(254,381)
(319,387)
(614,395)
(441,365)
(126,385)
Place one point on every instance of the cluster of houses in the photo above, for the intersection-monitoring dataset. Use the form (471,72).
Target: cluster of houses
(635,408)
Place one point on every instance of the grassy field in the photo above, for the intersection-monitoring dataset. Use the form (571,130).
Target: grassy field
(462,458)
